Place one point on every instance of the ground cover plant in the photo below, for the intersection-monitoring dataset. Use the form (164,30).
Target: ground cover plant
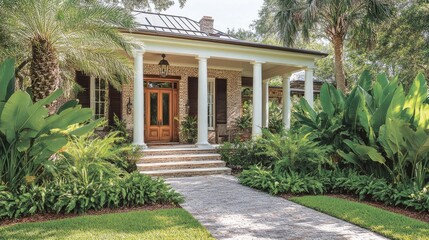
(392,225)
(172,224)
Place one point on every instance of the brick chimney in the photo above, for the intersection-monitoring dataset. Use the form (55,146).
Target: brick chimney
(206,25)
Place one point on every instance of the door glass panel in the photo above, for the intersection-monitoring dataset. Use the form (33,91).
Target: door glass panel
(165,109)
(153,109)
(158,84)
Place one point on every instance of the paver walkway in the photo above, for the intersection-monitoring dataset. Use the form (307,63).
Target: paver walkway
(232,211)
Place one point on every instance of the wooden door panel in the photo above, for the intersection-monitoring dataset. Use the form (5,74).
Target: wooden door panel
(165,115)
(159,115)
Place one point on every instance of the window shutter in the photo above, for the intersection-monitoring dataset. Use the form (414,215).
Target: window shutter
(221,101)
(193,96)
(115,104)
(83,96)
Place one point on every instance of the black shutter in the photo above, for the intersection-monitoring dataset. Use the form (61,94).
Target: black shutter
(115,104)
(221,101)
(83,96)
(193,96)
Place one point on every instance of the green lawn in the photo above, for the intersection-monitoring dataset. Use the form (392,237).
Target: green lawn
(386,223)
(158,224)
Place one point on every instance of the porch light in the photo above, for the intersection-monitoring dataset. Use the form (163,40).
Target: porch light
(163,67)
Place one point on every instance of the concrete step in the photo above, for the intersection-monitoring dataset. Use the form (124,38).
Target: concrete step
(179,158)
(180,165)
(177,151)
(187,172)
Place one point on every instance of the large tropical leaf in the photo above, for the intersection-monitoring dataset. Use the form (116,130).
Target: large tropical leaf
(364,152)
(7,79)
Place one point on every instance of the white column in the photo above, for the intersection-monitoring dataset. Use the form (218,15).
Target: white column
(202,104)
(308,89)
(265,101)
(257,99)
(138,119)
(286,101)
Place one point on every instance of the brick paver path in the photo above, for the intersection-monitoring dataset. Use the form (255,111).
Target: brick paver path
(232,211)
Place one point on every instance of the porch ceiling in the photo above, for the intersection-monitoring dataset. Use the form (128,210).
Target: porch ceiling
(268,69)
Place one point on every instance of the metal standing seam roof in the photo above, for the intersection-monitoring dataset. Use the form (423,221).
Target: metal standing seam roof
(173,24)
(157,24)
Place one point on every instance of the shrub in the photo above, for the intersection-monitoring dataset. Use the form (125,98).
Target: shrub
(65,197)
(292,152)
(242,155)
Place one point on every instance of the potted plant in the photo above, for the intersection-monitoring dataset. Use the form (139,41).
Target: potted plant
(189,129)
(244,125)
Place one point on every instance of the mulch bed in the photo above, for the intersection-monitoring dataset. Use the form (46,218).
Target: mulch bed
(422,216)
(53,216)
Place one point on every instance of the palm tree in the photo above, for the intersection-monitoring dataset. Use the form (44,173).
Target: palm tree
(335,18)
(58,37)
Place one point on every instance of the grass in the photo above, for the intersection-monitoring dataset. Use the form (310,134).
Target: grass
(386,223)
(158,224)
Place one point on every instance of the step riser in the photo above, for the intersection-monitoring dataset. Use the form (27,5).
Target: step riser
(182,166)
(183,158)
(190,174)
(178,152)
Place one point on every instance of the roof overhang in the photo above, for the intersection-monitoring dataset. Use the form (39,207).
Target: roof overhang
(277,61)
(226,41)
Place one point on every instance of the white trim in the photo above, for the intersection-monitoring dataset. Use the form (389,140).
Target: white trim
(92,95)
(212,81)
(187,47)
(93,98)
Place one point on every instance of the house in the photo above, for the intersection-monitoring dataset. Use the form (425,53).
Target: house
(184,67)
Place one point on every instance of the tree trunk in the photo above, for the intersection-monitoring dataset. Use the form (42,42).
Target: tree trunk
(45,71)
(338,43)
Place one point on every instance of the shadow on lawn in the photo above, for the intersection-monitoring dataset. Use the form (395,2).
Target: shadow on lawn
(165,224)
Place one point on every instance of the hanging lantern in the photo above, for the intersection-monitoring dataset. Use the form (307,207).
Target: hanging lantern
(163,67)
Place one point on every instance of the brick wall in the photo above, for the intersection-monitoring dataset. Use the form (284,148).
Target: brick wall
(233,91)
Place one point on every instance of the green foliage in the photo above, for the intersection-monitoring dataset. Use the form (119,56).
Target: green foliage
(28,135)
(347,182)
(82,34)
(89,159)
(244,122)
(65,197)
(121,127)
(292,152)
(290,182)
(391,225)
(378,128)
(393,53)
(189,129)
(243,154)
(275,120)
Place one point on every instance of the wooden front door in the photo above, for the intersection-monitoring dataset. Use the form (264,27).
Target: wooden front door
(159,115)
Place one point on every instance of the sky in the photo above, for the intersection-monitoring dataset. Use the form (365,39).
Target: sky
(226,13)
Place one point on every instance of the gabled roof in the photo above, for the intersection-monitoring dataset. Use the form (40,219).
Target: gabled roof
(173,24)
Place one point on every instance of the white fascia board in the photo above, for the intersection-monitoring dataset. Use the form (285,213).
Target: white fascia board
(158,44)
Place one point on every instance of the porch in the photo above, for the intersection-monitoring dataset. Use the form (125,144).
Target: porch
(205,68)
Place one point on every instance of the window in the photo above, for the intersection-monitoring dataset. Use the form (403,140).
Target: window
(98,97)
(211,103)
